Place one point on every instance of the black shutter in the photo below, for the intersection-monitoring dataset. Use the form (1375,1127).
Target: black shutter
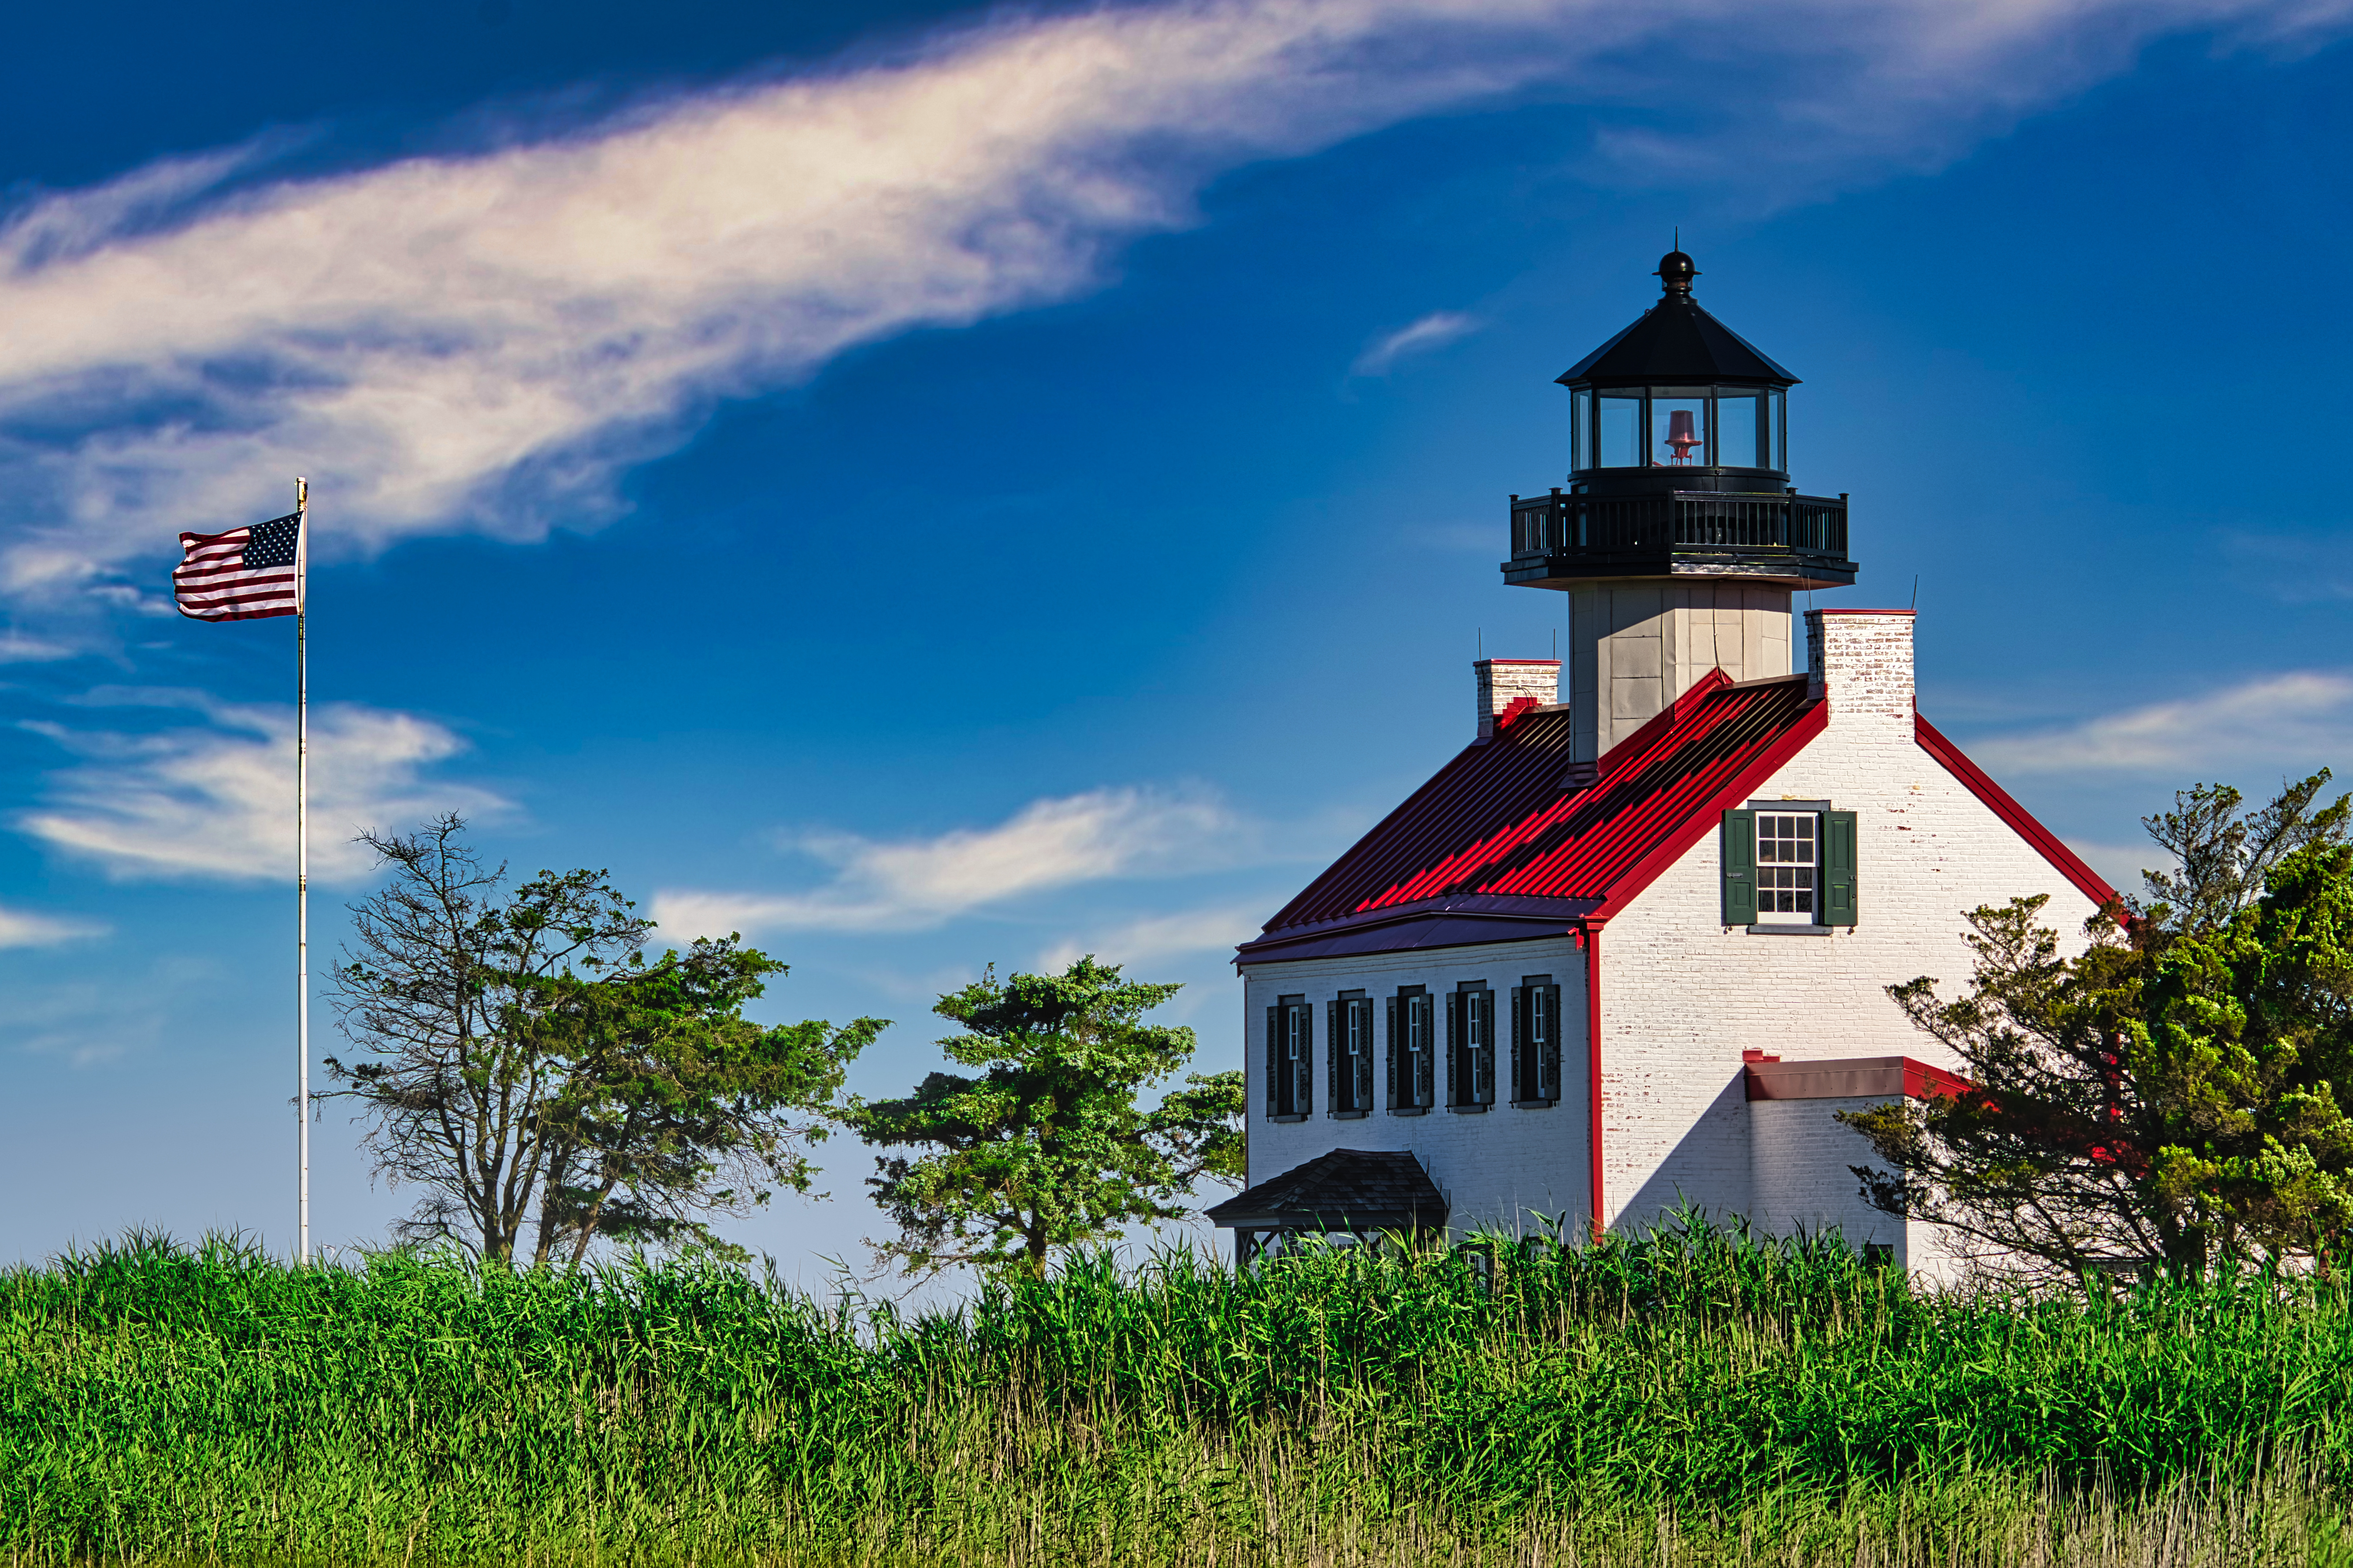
(1838,869)
(1458,1078)
(1364,1059)
(1334,1036)
(1740,867)
(1274,1061)
(1520,1086)
(1552,1042)
(1425,1086)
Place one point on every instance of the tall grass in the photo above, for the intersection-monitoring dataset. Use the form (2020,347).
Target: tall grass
(1689,1396)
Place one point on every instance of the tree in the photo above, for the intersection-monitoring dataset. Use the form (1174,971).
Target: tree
(535,1074)
(2169,1097)
(1046,1148)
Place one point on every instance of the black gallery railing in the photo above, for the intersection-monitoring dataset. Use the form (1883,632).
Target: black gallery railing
(1560,524)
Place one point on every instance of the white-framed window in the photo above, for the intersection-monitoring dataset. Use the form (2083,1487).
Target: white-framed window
(1536,1041)
(1413,1049)
(1789,867)
(1290,1056)
(1471,1075)
(1352,1054)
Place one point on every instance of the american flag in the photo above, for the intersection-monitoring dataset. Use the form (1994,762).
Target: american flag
(240,575)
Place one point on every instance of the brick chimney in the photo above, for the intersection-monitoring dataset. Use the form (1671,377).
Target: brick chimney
(1861,660)
(1505,684)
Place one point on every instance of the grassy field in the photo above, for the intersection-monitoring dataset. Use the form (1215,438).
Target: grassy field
(1683,1399)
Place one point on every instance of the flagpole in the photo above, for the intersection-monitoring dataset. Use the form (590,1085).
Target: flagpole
(303,866)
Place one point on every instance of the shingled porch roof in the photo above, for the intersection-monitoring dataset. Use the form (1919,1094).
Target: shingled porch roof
(1363,1190)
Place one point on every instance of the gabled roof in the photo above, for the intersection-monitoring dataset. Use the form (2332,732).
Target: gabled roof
(1676,341)
(1347,1189)
(1500,847)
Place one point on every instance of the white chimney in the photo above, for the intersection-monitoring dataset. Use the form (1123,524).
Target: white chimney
(1861,660)
(1502,683)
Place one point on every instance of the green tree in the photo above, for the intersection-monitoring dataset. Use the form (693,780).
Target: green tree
(2173,1094)
(1045,1148)
(544,1083)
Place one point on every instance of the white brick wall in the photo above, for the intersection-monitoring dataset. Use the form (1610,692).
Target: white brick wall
(1683,995)
(1494,1168)
(1503,681)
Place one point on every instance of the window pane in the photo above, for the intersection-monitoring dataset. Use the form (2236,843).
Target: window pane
(1679,425)
(1788,853)
(1779,423)
(1622,431)
(1736,427)
(1580,430)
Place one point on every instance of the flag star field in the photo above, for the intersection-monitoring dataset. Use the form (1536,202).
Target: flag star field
(929,486)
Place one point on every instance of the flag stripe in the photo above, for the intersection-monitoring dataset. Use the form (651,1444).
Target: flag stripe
(244,574)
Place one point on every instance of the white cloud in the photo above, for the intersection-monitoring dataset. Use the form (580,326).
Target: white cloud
(218,800)
(1158,937)
(914,884)
(481,342)
(15,647)
(1434,331)
(23,927)
(2297,721)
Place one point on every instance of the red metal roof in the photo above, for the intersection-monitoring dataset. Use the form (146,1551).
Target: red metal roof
(1497,823)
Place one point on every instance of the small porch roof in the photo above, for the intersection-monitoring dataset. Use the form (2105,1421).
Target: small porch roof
(1359,1190)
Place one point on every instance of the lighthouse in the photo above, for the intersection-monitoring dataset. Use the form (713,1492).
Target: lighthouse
(1679,537)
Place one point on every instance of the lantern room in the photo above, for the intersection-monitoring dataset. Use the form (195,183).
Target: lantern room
(1679,464)
(1680,391)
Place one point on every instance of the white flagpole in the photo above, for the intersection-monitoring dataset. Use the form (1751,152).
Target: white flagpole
(302,865)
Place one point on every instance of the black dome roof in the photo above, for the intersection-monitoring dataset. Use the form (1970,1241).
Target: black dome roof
(1676,341)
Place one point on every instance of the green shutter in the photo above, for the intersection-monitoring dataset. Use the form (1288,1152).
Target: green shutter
(1457,1082)
(1519,1035)
(1739,867)
(1306,1091)
(1396,1045)
(1838,869)
(1274,1061)
(1363,1098)
(1333,1034)
(1552,1043)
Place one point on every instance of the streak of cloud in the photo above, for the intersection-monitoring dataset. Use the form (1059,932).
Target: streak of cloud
(1434,331)
(914,884)
(485,342)
(2297,722)
(215,802)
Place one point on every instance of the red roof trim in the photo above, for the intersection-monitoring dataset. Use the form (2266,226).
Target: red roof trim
(1863,611)
(1707,816)
(2068,864)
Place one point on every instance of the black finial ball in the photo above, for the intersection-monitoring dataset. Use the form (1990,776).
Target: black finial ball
(1675,272)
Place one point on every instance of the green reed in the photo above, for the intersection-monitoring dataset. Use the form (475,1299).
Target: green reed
(1685,1396)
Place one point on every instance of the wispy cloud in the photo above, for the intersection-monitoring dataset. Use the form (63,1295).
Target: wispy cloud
(1434,331)
(25,928)
(1158,937)
(482,341)
(2297,721)
(917,883)
(215,801)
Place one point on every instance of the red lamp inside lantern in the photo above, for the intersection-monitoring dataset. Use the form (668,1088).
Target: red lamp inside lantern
(1681,436)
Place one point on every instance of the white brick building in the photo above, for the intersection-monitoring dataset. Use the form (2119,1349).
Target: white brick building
(1632,950)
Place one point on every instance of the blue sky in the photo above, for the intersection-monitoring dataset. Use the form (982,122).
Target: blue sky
(956,486)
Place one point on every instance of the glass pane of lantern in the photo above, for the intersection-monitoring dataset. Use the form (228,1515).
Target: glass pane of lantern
(1736,427)
(1580,430)
(1679,425)
(1622,431)
(1780,429)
